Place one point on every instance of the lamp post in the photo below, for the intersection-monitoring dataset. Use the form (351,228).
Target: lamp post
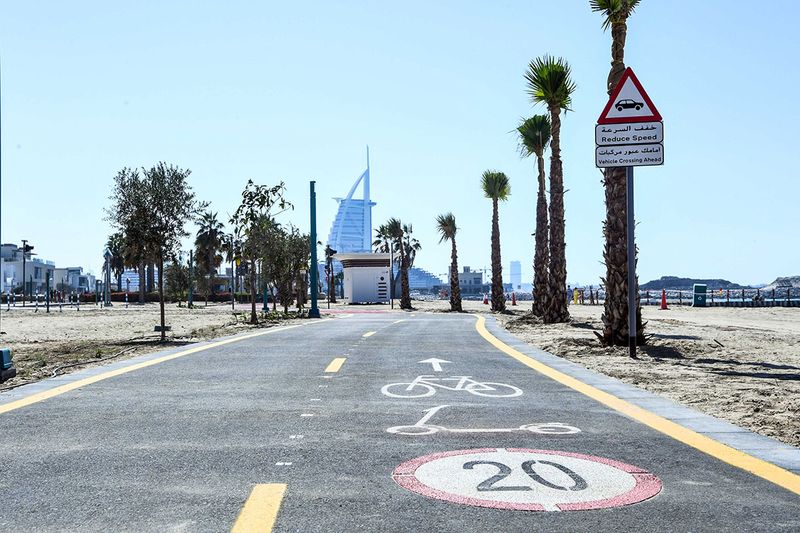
(314,311)
(303,279)
(107,278)
(190,297)
(233,278)
(26,249)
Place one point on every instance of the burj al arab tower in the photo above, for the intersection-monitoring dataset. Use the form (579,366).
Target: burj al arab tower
(352,228)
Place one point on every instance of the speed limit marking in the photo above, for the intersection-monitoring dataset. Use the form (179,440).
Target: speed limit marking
(527,480)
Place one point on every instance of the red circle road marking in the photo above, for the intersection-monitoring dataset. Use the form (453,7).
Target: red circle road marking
(646,485)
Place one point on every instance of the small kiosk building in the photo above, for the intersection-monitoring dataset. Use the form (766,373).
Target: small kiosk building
(366,277)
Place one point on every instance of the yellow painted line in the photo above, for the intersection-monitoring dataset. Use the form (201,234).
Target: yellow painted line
(335,365)
(57,391)
(369,334)
(261,509)
(732,456)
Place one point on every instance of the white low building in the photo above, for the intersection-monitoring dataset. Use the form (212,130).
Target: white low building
(35,273)
(366,277)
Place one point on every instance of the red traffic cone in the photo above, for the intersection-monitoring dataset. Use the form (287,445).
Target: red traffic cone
(664,300)
(485,300)
(513,298)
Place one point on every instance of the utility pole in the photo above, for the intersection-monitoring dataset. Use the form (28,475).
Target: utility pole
(107,279)
(314,311)
(24,253)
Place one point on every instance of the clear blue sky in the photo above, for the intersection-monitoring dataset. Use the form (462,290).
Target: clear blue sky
(295,90)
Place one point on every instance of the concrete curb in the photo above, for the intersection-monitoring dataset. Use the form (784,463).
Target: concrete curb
(764,448)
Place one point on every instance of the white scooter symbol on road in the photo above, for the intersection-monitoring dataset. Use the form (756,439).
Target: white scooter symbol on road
(423,428)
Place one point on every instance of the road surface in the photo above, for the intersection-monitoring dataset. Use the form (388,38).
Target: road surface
(314,428)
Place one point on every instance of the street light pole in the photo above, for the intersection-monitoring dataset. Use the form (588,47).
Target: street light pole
(233,279)
(24,248)
(190,297)
(314,311)
(107,279)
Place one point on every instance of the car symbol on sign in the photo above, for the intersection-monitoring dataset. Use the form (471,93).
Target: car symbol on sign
(629,104)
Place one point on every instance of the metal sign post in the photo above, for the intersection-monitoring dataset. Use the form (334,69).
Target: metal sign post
(631,266)
(629,133)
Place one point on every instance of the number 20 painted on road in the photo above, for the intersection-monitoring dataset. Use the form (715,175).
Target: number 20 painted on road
(504,471)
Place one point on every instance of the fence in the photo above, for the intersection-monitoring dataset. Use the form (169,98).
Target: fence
(779,297)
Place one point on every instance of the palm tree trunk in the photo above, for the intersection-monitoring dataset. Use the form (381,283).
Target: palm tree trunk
(141,282)
(211,269)
(619,32)
(615,252)
(541,284)
(405,292)
(151,277)
(557,298)
(498,297)
(331,285)
(455,289)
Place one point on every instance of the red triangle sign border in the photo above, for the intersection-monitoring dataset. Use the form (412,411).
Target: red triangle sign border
(628,74)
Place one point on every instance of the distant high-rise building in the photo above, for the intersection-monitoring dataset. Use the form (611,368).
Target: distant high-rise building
(352,227)
(516,275)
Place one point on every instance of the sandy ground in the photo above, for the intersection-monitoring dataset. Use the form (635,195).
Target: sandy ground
(44,344)
(738,364)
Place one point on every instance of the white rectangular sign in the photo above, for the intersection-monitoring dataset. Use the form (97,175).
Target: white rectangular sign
(629,155)
(629,133)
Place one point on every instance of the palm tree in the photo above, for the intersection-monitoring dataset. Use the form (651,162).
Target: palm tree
(383,240)
(136,256)
(410,245)
(615,253)
(496,186)
(446,224)
(116,245)
(534,136)
(208,243)
(395,229)
(549,83)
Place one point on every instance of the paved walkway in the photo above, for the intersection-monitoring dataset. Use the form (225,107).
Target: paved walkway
(376,422)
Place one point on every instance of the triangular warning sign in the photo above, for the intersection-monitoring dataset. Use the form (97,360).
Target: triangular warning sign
(629,103)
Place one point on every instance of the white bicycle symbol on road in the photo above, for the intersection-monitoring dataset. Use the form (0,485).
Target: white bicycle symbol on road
(423,428)
(424,386)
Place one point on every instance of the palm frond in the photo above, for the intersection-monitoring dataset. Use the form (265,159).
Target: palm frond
(446,225)
(550,82)
(614,11)
(495,185)
(534,135)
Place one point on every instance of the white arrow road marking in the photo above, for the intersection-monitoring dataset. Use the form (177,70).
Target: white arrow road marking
(436,363)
